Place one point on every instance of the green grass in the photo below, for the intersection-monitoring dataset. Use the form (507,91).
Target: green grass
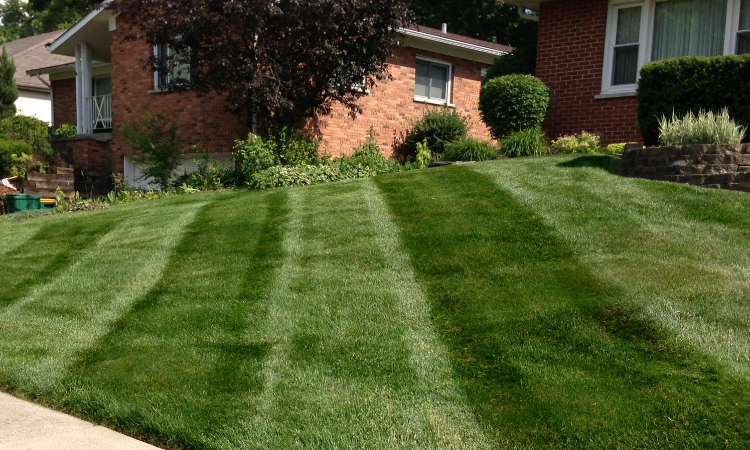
(531,303)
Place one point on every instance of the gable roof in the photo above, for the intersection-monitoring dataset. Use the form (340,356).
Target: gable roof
(29,54)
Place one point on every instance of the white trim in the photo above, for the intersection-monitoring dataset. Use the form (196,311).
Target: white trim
(451,42)
(449,82)
(648,13)
(77,27)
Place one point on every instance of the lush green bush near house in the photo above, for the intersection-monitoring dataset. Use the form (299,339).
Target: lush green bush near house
(702,128)
(692,84)
(471,150)
(9,149)
(31,130)
(528,142)
(521,61)
(293,147)
(584,142)
(155,137)
(513,103)
(66,131)
(439,126)
(251,156)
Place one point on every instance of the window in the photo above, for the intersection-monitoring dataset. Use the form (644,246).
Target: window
(171,68)
(652,30)
(627,43)
(743,32)
(433,81)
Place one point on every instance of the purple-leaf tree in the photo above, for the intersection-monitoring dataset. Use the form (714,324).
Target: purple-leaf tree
(285,60)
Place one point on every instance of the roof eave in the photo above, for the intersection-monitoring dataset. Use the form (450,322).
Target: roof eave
(470,48)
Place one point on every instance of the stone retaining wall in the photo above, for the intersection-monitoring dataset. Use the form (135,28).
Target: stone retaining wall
(46,184)
(722,166)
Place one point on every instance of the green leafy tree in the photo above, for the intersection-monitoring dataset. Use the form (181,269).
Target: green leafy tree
(489,20)
(17,21)
(8,89)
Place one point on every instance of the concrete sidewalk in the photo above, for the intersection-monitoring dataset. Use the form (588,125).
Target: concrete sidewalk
(26,426)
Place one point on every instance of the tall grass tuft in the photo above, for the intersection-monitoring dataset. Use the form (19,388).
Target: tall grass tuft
(470,150)
(704,128)
(529,142)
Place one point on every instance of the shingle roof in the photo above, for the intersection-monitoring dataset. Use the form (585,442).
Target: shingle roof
(30,53)
(460,38)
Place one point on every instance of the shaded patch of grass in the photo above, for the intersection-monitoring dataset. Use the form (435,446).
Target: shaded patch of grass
(549,356)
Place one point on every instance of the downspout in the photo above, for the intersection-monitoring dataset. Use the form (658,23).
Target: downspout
(51,99)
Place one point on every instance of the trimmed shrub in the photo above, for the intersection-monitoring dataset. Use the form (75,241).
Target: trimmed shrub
(702,128)
(31,130)
(530,142)
(66,131)
(521,61)
(577,143)
(438,126)
(8,149)
(470,150)
(615,149)
(513,103)
(677,86)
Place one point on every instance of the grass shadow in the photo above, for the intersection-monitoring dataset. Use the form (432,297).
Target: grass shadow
(607,163)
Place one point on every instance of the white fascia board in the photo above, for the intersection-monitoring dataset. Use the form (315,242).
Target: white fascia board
(451,42)
(77,27)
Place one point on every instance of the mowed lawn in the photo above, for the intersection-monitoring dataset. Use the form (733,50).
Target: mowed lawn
(519,304)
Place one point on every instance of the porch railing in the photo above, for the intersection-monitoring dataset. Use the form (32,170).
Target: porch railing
(101,112)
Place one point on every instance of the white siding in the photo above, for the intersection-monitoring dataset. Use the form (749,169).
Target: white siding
(35,104)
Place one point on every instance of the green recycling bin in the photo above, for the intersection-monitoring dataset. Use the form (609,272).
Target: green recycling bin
(23,202)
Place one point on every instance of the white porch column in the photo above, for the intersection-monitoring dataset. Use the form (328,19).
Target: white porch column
(83,90)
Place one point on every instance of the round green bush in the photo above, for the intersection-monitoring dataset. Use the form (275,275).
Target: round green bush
(521,61)
(470,150)
(528,142)
(513,103)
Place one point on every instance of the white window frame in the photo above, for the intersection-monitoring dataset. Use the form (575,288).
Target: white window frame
(648,12)
(449,83)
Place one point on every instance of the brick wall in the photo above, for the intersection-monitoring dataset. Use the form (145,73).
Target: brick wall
(205,121)
(64,101)
(208,121)
(570,61)
(390,105)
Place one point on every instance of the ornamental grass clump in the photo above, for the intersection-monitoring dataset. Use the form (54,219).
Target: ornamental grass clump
(706,127)
(471,150)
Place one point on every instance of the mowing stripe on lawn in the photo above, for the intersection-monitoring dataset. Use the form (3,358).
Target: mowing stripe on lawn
(549,356)
(693,243)
(428,358)
(49,251)
(344,371)
(15,236)
(52,325)
(180,367)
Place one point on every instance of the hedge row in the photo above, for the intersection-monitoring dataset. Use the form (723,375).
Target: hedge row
(691,84)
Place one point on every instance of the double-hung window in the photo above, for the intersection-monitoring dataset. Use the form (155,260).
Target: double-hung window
(433,81)
(651,30)
(170,67)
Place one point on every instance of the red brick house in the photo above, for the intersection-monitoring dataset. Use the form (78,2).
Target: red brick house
(590,53)
(108,87)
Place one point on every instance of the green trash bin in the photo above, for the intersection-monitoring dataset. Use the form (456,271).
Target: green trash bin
(23,202)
